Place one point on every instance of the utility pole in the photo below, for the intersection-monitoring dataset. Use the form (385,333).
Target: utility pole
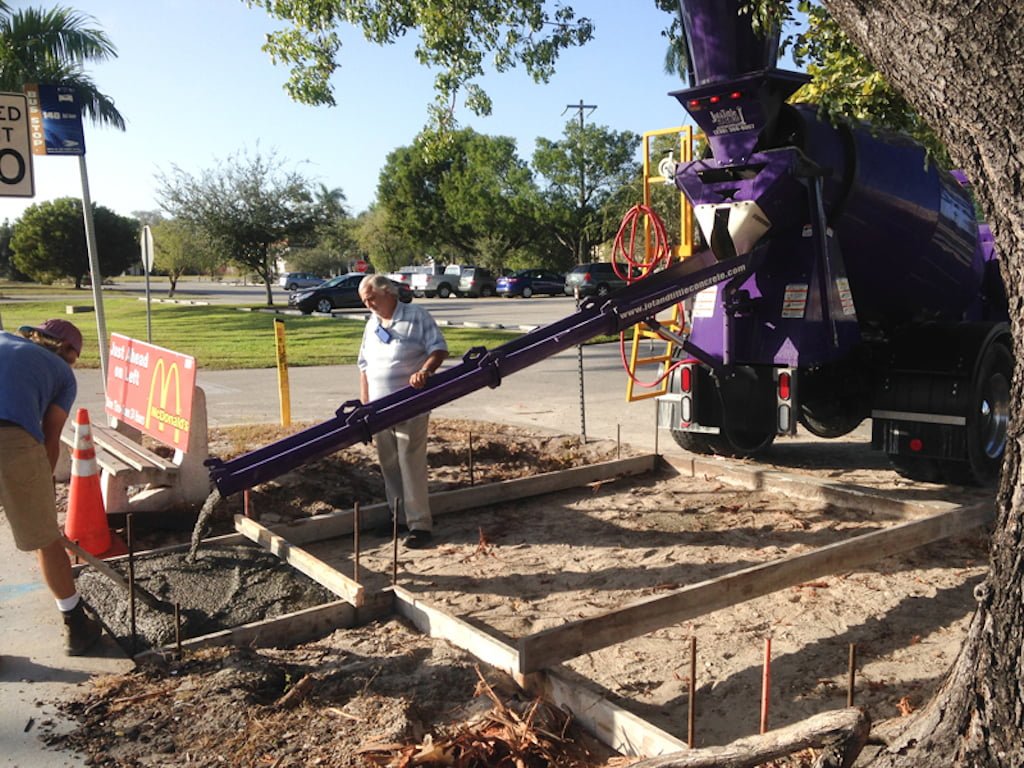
(582,110)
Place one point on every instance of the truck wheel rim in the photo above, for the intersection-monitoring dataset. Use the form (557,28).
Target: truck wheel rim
(994,412)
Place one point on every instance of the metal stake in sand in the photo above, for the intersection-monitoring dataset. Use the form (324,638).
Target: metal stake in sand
(766,683)
(471,458)
(394,544)
(131,580)
(851,674)
(355,542)
(691,715)
(618,441)
(177,628)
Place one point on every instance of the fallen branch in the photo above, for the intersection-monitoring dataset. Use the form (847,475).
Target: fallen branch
(297,693)
(841,734)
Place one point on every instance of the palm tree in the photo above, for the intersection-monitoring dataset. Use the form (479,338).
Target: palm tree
(40,46)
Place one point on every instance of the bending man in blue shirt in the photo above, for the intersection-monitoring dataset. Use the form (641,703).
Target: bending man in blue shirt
(37,388)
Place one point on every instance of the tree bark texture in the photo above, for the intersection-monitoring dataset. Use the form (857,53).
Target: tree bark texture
(841,733)
(960,63)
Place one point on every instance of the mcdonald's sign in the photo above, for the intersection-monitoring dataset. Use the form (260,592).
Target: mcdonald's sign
(150,388)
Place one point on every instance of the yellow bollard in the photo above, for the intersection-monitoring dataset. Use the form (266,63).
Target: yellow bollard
(282,374)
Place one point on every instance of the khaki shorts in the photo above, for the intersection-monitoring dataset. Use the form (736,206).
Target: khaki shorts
(26,490)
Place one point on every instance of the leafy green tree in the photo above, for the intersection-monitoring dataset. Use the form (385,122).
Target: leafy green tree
(335,247)
(318,260)
(381,243)
(455,39)
(7,269)
(180,248)
(49,241)
(448,202)
(53,46)
(246,207)
(584,171)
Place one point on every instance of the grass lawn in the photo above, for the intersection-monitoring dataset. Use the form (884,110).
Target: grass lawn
(219,336)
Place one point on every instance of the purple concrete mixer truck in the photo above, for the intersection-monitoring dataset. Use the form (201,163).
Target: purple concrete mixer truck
(844,279)
(871,292)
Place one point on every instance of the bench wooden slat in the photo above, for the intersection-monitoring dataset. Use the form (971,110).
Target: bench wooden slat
(130,451)
(118,454)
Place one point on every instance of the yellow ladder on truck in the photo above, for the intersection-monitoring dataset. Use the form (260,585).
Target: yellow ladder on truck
(655,363)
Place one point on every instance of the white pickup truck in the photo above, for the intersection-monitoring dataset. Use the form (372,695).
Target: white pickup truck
(436,281)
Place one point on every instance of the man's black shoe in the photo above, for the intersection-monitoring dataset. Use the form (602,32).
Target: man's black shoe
(419,540)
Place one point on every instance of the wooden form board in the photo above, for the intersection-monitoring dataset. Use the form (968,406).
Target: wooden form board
(337,524)
(291,628)
(623,731)
(552,646)
(302,561)
(795,485)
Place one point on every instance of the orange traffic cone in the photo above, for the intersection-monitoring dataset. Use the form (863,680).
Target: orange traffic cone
(86,520)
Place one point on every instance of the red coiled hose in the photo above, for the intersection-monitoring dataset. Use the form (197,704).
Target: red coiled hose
(658,254)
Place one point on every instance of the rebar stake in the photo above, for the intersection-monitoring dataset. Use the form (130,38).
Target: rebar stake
(394,544)
(851,674)
(246,509)
(691,715)
(355,542)
(471,478)
(766,683)
(131,580)
(618,441)
(177,627)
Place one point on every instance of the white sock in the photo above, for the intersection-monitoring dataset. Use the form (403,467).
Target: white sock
(67,604)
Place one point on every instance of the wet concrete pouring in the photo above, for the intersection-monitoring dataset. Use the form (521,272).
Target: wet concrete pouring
(222,587)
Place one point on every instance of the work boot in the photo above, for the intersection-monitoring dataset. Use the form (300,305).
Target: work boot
(80,631)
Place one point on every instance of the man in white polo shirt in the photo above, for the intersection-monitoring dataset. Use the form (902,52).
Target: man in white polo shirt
(402,346)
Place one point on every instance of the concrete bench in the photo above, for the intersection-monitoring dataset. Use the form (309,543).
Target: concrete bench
(136,479)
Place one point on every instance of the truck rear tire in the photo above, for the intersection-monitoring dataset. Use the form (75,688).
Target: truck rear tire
(733,445)
(443,291)
(987,420)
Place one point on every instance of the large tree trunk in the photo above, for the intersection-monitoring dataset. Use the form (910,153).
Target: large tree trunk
(961,64)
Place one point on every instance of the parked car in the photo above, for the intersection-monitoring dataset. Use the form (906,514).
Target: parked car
(476,281)
(527,282)
(436,281)
(340,292)
(594,279)
(291,281)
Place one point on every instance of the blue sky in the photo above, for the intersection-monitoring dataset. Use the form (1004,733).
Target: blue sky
(195,88)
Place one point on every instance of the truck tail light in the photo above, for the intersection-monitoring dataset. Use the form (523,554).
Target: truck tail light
(784,396)
(785,382)
(916,444)
(686,394)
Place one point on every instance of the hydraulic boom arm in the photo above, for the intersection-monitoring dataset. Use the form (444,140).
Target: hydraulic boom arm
(355,422)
